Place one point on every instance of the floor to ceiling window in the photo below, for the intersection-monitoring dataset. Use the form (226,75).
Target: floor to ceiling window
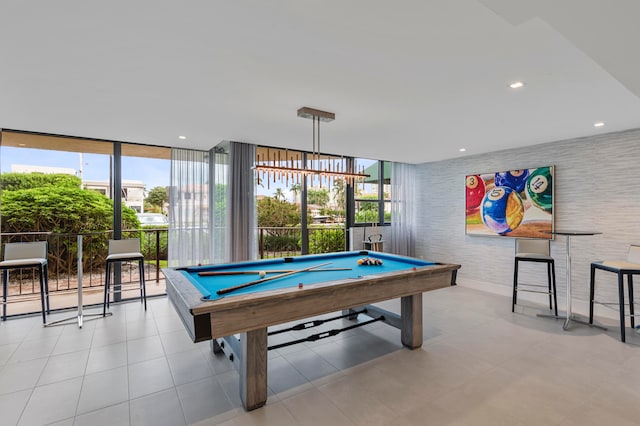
(372,197)
(297,214)
(54,187)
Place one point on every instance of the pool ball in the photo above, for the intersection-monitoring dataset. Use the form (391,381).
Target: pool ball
(540,188)
(515,179)
(502,209)
(475,192)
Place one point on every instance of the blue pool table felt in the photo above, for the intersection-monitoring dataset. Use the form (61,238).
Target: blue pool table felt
(209,285)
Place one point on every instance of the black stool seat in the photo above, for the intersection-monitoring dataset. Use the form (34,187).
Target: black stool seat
(621,268)
(535,251)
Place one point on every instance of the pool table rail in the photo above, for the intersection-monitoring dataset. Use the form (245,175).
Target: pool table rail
(229,315)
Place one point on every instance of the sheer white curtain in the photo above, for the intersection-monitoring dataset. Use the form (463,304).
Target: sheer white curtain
(220,185)
(189,242)
(242,215)
(403,206)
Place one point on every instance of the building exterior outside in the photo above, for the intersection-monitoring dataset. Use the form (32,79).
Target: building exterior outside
(132,190)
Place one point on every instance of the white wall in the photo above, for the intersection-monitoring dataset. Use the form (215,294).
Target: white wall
(596,188)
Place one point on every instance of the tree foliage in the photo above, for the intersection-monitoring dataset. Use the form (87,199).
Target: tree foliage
(340,192)
(326,240)
(296,188)
(319,197)
(156,199)
(57,204)
(277,213)
(15,181)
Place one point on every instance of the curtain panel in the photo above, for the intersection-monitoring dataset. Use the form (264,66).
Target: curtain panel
(403,209)
(242,217)
(189,242)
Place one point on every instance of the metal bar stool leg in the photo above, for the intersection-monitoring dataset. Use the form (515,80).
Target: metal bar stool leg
(621,299)
(46,287)
(592,293)
(5,287)
(631,307)
(549,284)
(42,290)
(515,286)
(106,289)
(553,280)
(143,284)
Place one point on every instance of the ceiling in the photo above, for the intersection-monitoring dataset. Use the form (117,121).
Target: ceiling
(409,80)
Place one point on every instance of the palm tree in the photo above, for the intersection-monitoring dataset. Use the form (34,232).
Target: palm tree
(279,195)
(295,188)
(339,191)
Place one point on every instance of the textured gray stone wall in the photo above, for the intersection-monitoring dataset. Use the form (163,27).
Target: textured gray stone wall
(596,188)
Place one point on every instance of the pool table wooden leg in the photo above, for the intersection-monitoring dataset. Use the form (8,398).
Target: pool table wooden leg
(411,312)
(253,369)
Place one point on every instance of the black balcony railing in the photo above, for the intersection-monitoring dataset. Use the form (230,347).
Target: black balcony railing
(63,267)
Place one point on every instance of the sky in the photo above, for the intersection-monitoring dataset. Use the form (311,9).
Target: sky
(151,172)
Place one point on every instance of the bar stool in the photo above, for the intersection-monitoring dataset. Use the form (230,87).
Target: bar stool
(630,267)
(535,251)
(26,255)
(124,251)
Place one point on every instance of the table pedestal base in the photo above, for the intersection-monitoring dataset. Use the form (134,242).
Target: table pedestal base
(567,321)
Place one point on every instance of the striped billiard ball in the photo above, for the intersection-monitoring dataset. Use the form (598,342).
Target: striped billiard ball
(502,209)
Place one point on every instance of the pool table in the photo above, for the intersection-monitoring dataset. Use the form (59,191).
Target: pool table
(329,282)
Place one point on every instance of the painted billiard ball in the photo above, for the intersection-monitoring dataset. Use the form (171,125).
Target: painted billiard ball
(540,188)
(502,209)
(262,274)
(475,193)
(515,179)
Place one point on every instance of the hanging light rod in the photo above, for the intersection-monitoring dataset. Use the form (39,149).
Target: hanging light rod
(328,173)
(316,166)
(306,112)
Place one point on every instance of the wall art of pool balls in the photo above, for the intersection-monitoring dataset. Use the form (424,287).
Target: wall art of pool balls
(511,203)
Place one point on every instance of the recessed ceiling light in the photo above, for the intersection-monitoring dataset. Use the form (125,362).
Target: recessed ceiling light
(462,149)
(182,137)
(22,145)
(516,85)
(598,124)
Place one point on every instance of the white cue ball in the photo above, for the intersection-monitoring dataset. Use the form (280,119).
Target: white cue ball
(262,274)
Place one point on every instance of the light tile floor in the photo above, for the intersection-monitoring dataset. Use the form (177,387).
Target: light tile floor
(479,365)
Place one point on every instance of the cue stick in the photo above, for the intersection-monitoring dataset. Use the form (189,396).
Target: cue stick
(260,281)
(268,271)
(375,231)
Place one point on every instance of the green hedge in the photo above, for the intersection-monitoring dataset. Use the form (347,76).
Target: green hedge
(282,241)
(148,242)
(323,240)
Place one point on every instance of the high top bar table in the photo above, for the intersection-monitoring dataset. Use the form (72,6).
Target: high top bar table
(569,317)
(80,316)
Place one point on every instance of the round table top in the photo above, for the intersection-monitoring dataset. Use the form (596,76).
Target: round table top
(571,232)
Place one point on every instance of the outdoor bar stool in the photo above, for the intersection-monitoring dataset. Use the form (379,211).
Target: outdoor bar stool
(124,251)
(630,267)
(535,251)
(26,255)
